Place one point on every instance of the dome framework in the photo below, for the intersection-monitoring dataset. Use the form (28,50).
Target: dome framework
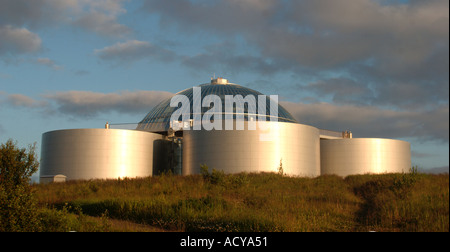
(159,119)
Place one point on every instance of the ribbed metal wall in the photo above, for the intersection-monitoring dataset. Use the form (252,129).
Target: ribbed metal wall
(345,157)
(297,146)
(98,153)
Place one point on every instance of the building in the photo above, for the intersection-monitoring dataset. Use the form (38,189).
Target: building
(52,179)
(222,125)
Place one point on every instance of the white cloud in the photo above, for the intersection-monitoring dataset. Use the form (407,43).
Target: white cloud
(18,40)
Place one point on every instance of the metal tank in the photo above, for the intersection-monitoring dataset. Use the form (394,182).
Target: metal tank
(345,157)
(98,153)
(294,147)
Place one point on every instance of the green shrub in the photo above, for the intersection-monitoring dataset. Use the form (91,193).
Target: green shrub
(215,177)
(18,206)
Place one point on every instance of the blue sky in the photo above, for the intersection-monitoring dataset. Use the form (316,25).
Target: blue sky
(376,67)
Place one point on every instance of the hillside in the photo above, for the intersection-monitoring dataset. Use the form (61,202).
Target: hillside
(249,202)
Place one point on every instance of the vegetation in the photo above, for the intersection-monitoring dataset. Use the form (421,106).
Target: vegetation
(17,202)
(214,201)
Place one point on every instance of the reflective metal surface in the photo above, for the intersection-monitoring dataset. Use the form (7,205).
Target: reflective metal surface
(158,119)
(364,155)
(280,145)
(295,146)
(98,153)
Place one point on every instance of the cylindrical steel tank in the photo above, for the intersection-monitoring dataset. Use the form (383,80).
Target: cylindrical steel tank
(98,153)
(345,157)
(294,146)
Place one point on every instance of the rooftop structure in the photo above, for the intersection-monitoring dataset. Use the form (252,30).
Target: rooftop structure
(158,119)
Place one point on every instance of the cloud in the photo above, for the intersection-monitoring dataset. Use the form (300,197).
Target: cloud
(134,50)
(21,21)
(224,17)
(87,104)
(319,33)
(96,16)
(342,90)
(23,13)
(328,33)
(226,58)
(18,40)
(371,121)
(102,24)
(101,17)
(393,52)
(48,63)
(21,101)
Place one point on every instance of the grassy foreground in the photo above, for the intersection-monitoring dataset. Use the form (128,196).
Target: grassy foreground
(249,202)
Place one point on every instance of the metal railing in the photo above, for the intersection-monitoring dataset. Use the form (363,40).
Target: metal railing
(330,133)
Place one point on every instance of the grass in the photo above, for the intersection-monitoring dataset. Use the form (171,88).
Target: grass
(251,202)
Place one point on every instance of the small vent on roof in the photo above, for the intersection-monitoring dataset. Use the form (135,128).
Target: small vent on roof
(219,80)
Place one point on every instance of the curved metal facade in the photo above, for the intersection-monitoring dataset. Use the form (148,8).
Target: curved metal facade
(297,146)
(98,153)
(345,157)
(300,150)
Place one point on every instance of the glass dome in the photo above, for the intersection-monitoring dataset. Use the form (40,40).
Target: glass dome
(158,119)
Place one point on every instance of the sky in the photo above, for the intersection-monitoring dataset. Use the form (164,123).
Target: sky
(376,67)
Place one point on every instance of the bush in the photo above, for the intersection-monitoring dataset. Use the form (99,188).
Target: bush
(215,177)
(18,210)
(18,206)
(62,220)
